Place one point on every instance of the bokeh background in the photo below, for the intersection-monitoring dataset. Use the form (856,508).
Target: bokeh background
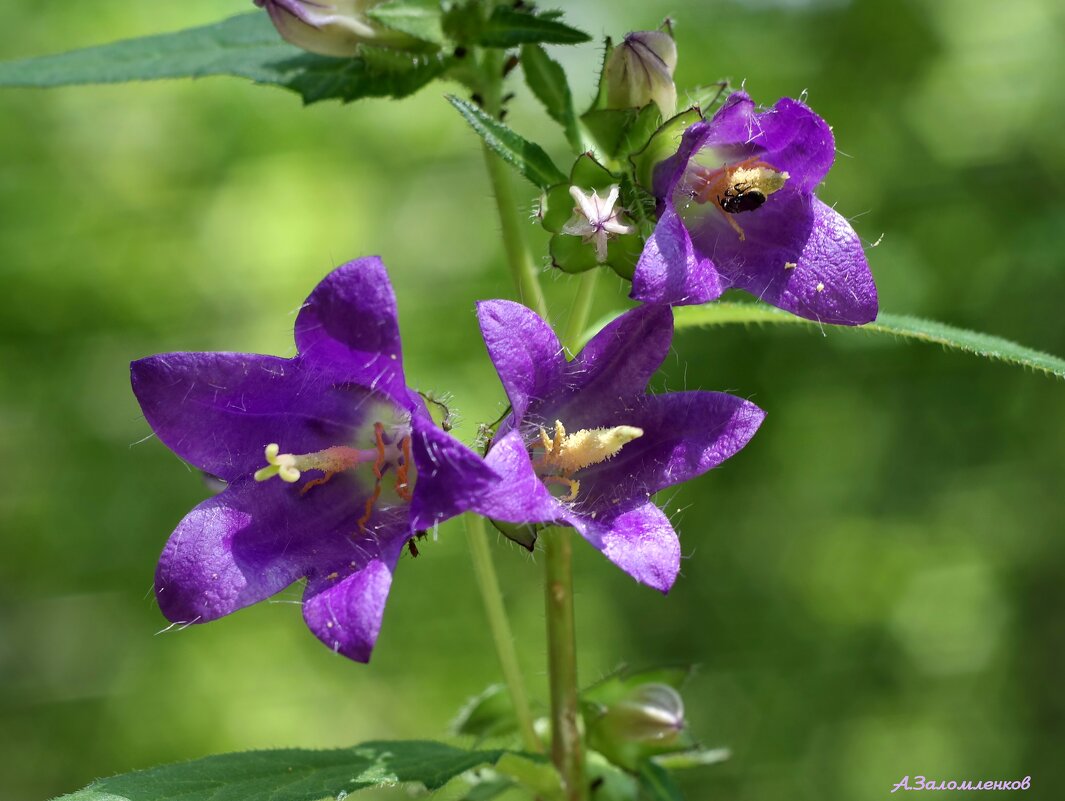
(875,587)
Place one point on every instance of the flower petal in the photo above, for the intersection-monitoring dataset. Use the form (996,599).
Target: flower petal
(797,141)
(614,367)
(346,613)
(519,496)
(525,351)
(451,478)
(348,325)
(641,541)
(684,435)
(219,411)
(671,271)
(830,282)
(250,542)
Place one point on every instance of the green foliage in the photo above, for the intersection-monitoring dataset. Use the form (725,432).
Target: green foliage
(526,157)
(418,18)
(244,46)
(897,325)
(291,774)
(509,27)
(657,784)
(489,714)
(547,80)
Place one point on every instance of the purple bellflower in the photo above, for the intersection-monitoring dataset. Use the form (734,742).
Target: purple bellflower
(584,445)
(737,209)
(331,464)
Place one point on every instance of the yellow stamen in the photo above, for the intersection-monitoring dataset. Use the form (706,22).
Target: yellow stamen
(565,454)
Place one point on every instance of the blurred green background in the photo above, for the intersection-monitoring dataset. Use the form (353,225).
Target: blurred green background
(875,587)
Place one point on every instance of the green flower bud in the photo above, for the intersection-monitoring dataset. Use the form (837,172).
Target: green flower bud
(332,27)
(646,721)
(640,71)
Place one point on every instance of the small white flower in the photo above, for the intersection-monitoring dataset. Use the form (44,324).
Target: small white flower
(595,219)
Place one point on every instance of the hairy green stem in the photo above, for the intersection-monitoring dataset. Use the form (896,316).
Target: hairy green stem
(567,750)
(488,583)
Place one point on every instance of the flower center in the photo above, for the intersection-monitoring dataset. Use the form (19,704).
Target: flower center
(737,188)
(396,454)
(564,454)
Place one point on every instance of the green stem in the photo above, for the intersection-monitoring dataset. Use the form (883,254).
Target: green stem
(566,747)
(488,583)
(522,269)
(582,305)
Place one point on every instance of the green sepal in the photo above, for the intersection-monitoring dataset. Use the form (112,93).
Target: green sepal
(489,714)
(694,758)
(708,98)
(422,19)
(526,157)
(621,132)
(657,784)
(571,254)
(547,80)
(556,205)
(663,143)
(524,534)
(487,789)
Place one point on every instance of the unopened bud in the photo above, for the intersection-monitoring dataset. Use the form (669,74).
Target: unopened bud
(648,720)
(332,27)
(640,71)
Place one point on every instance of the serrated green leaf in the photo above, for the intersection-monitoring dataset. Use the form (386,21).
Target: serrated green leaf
(292,774)
(508,27)
(526,157)
(657,784)
(245,46)
(547,80)
(897,325)
(421,19)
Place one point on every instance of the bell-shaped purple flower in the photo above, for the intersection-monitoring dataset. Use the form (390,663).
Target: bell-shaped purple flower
(585,446)
(331,464)
(737,209)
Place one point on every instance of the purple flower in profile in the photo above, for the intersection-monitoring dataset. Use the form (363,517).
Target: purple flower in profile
(331,464)
(737,209)
(585,446)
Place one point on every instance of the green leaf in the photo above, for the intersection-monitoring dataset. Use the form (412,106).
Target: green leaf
(535,773)
(508,27)
(418,18)
(291,774)
(526,157)
(245,46)
(657,784)
(490,714)
(547,80)
(897,325)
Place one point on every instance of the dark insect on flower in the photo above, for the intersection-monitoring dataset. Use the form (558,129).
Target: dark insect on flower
(789,248)
(741,197)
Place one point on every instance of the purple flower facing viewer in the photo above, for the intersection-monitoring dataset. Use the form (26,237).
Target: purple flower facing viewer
(737,209)
(585,446)
(331,464)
